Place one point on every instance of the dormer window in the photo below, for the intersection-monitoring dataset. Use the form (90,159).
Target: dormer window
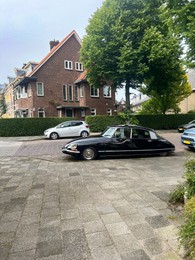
(68,65)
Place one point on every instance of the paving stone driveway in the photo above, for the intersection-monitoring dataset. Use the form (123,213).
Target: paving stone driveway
(55,207)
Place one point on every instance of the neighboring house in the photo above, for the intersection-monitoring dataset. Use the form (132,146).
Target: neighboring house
(1,98)
(137,100)
(188,103)
(57,86)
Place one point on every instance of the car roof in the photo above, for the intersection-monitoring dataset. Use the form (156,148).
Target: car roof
(134,126)
(191,130)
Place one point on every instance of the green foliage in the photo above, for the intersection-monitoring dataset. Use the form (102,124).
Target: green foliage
(187,230)
(131,42)
(36,126)
(190,178)
(27,126)
(100,123)
(129,118)
(168,99)
(177,196)
(191,111)
(183,22)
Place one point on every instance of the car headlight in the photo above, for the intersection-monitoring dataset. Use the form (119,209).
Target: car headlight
(72,147)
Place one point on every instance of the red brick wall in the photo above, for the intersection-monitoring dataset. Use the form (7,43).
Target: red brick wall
(53,75)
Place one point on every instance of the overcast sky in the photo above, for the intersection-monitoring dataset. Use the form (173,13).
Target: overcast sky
(27,27)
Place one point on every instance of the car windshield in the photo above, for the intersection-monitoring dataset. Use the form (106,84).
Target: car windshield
(109,132)
(192,122)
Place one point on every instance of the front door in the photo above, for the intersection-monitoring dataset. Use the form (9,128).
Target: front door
(69,112)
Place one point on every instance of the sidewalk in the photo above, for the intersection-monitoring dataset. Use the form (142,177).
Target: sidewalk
(41,137)
(65,209)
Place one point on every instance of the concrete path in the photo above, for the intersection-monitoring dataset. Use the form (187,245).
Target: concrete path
(55,207)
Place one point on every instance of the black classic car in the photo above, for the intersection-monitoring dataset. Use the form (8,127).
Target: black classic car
(119,140)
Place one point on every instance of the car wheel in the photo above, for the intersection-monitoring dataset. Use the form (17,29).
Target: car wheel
(54,136)
(89,153)
(84,134)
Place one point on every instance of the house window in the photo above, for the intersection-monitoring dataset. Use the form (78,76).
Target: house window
(109,111)
(76,93)
(40,89)
(41,112)
(70,90)
(29,90)
(82,112)
(93,111)
(81,91)
(68,65)
(23,92)
(18,92)
(78,66)
(64,92)
(107,91)
(94,92)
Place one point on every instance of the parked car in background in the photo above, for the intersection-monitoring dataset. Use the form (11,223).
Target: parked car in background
(188,138)
(121,141)
(68,129)
(189,125)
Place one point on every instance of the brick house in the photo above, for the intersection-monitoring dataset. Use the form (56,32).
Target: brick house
(57,86)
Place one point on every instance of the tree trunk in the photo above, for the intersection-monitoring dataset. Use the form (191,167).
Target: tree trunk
(127,94)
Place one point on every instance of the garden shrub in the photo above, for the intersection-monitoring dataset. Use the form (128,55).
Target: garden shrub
(187,230)
(190,178)
(177,196)
(187,189)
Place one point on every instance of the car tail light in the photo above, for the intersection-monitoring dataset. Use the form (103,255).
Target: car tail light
(87,126)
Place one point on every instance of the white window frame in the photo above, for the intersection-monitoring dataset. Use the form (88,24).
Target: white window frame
(109,111)
(82,88)
(29,90)
(76,93)
(70,92)
(42,89)
(93,111)
(94,92)
(41,110)
(23,92)
(83,112)
(65,92)
(109,95)
(78,66)
(68,65)
(18,92)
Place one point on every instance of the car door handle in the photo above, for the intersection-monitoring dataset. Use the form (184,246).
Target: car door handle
(149,141)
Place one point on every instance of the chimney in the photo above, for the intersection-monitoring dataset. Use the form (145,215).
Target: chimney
(53,44)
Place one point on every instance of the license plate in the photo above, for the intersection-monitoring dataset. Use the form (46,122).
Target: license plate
(186,142)
(181,129)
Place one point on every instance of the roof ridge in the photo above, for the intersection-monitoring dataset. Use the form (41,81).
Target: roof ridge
(53,50)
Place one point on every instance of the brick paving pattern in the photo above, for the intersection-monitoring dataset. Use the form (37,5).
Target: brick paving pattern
(55,207)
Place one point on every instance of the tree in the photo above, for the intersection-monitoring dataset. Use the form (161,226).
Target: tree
(167,101)
(183,20)
(115,48)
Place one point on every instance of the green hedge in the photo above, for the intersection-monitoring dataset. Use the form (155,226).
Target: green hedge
(99,123)
(36,126)
(28,126)
(165,121)
(157,122)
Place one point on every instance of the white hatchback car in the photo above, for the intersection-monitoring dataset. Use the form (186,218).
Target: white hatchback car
(68,129)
